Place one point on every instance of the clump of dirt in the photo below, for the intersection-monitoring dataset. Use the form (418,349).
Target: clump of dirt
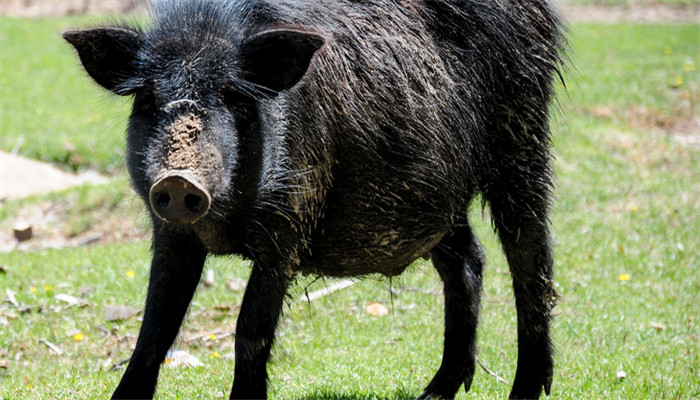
(183,152)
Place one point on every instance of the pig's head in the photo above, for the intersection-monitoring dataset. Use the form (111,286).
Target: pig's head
(194,145)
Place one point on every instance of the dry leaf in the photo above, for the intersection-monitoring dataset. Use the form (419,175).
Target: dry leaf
(52,346)
(327,290)
(10,296)
(656,326)
(376,309)
(120,313)
(236,284)
(71,300)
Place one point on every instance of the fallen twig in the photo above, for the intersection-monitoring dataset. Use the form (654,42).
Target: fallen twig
(119,365)
(207,336)
(52,346)
(327,290)
(488,371)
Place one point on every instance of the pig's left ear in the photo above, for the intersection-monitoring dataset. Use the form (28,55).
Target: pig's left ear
(277,59)
(108,55)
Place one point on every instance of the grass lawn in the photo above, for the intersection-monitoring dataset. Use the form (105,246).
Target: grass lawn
(626,224)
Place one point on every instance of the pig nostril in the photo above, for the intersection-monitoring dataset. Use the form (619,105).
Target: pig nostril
(193,202)
(163,200)
(174,198)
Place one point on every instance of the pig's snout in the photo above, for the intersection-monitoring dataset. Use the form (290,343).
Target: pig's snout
(179,198)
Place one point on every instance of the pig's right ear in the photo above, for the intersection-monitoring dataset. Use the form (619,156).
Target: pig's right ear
(107,54)
(278,59)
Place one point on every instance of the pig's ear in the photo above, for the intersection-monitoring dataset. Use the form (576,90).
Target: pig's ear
(277,59)
(108,55)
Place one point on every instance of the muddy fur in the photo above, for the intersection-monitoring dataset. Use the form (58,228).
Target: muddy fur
(342,138)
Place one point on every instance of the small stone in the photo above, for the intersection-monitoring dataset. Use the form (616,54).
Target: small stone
(22,231)
(208,278)
(120,313)
(377,309)
(236,284)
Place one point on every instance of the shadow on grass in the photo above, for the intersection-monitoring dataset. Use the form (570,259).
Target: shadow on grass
(321,394)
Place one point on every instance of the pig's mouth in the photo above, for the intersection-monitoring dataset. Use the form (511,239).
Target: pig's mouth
(178,197)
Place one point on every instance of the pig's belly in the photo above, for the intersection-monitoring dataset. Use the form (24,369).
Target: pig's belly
(386,254)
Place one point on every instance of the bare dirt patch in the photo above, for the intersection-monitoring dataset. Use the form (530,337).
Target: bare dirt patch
(683,125)
(53,227)
(633,12)
(51,8)
(72,220)
(637,13)
(62,223)
(22,177)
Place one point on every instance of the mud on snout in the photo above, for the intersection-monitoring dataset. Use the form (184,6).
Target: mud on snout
(180,192)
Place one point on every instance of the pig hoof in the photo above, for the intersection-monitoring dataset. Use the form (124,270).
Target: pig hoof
(447,381)
(444,387)
(530,386)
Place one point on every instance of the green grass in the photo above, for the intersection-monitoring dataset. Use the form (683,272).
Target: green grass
(627,205)
(49,109)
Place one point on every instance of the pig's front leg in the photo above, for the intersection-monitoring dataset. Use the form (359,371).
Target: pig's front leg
(178,257)
(255,331)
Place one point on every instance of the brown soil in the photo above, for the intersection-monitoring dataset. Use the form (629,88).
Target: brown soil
(51,224)
(683,126)
(22,177)
(644,13)
(638,13)
(48,8)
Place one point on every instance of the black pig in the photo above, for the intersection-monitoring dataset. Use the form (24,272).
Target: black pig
(338,138)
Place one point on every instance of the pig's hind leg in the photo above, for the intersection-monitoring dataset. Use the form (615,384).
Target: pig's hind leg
(519,206)
(459,260)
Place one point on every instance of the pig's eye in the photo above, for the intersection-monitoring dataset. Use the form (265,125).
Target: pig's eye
(145,101)
(230,96)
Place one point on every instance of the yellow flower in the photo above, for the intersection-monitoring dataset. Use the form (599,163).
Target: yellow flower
(130,274)
(633,207)
(214,355)
(624,277)
(78,337)
(679,81)
(212,336)
(690,67)
(667,50)
(47,287)
(33,289)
